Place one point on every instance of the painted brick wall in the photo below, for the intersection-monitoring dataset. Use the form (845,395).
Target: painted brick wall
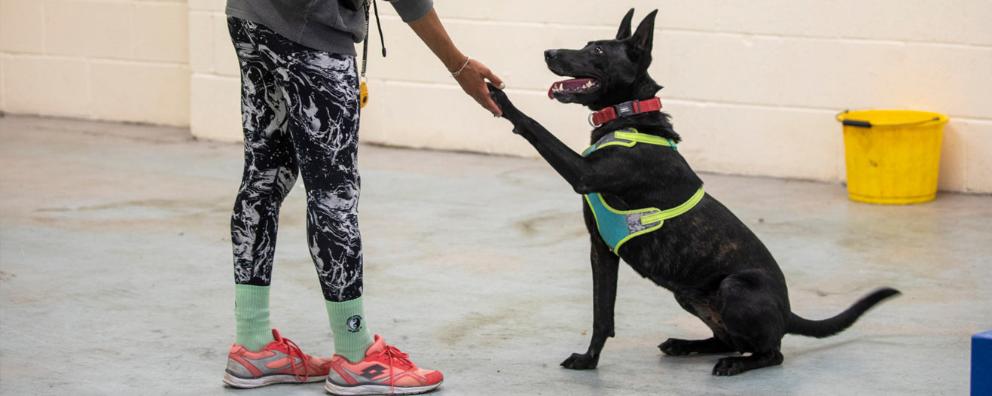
(752,86)
(97,59)
(215,109)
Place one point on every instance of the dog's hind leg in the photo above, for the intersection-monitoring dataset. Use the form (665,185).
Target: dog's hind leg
(604,284)
(753,314)
(678,347)
(701,305)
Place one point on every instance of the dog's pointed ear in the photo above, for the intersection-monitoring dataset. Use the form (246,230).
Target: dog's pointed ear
(624,31)
(643,38)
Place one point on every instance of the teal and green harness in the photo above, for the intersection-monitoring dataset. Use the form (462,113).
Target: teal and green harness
(616,227)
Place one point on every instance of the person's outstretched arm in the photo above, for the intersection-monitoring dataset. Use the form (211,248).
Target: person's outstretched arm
(470,73)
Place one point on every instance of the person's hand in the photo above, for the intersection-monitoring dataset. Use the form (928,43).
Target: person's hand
(473,81)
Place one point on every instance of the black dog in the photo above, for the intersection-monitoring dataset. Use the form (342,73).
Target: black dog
(717,268)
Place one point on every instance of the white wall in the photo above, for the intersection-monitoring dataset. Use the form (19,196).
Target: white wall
(123,60)
(215,109)
(752,86)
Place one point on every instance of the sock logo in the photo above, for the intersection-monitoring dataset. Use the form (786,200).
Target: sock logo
(354,323)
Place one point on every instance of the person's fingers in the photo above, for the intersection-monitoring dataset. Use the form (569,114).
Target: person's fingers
(473,82)
(488,74)
(492,107)
(480,92)
(487,102)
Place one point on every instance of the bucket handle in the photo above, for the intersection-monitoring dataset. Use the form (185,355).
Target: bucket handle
(856,123)
(869,124)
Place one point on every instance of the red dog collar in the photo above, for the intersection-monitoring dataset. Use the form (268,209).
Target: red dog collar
(624,109)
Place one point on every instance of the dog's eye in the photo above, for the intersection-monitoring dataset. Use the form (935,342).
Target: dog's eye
(597,51)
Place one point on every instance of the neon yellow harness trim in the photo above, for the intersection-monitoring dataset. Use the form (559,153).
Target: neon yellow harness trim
(615,226)
(628,138)
(676,211)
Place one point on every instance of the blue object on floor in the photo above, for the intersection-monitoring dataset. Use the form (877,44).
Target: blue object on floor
(981,364)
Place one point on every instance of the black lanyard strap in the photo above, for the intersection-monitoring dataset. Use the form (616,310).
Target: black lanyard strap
(382,40)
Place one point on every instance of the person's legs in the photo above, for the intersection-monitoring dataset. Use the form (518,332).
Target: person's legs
(318,106)
(322,94)
(260,356)
(269,173)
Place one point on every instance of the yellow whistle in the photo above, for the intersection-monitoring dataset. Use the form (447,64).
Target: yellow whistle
(363,94)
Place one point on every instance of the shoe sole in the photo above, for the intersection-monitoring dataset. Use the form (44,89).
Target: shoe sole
(368,390)
(248,383)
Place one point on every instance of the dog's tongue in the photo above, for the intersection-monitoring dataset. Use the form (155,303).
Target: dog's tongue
(570,86)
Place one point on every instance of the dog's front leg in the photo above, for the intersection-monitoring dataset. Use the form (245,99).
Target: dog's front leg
(604,289)
(569,164)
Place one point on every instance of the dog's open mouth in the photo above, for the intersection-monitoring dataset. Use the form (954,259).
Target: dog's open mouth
(573,86)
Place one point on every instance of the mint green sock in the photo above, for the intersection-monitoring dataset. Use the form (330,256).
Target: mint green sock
(351,336)
(251,311)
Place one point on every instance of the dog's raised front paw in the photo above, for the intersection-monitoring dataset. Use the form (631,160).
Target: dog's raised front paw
(501,100)
(580,361)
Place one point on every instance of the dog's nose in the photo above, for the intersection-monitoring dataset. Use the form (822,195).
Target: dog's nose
(550,54)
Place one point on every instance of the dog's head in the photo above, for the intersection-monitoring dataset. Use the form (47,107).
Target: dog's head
(606,72)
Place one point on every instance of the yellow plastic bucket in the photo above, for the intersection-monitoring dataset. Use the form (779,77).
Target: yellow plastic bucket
(893,156)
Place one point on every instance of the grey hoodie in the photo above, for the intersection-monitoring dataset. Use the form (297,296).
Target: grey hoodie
(327,25)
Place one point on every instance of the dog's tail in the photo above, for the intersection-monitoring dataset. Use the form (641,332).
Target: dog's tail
(837,324)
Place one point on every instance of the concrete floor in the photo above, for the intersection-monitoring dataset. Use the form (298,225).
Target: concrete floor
(115,275)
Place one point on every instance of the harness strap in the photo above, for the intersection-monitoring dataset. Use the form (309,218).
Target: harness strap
(629,138)
(615,226)
(676,211)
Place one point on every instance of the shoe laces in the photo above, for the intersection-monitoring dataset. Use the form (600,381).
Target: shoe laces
(397,356)
(299,371)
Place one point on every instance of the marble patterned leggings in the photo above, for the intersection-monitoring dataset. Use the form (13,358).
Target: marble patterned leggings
(300,115)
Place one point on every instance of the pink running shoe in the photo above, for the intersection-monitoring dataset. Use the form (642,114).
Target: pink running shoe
(280,362)
(384,371)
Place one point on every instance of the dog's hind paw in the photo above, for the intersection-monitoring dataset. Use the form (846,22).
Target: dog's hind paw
(676,347)
(736,365)
(580,361)
(729,366)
